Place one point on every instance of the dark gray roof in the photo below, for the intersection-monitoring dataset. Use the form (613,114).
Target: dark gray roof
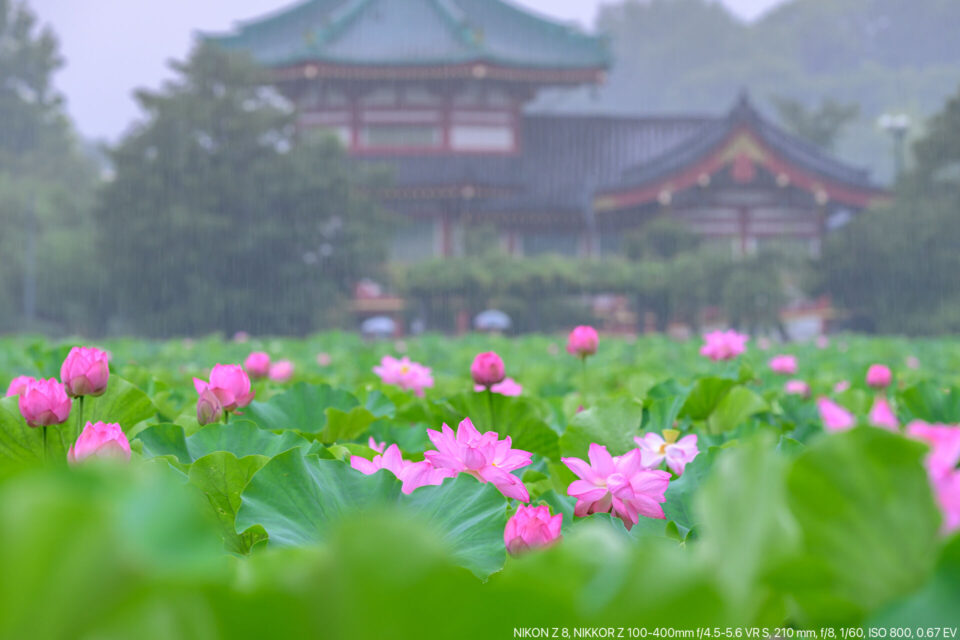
(792,148)
(565,160)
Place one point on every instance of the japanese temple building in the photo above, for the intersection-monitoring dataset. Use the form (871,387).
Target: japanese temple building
(438,91)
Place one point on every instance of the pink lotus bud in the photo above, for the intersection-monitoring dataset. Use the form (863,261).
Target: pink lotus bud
(85,372)
(281,371)
(582,341)
(257,364)
(724,345)
(841,386)
(835,417)
(797,388)
(231,385)
(18,385)
(879,376)
(882,415)
(324,359)
(100,440)
(530,528)
(487,369)
(209,409)
(44,402)
(786,365)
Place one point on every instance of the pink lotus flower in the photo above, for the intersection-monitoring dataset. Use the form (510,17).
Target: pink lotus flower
(85,372)
(44,402)
(531,528)
(582,341)
(654,449)
(485,457)
(18,385)
(944,441)
(324,359)
(231,385)
(796,388)
(509,387)
(947,491)
(881,415)
(835,417)
(785,365)
(879,376)
(257,364)
(281,371)
(724,345)
(209,408)
(376,446)
(841,386)
(487,369)
(412,474)
(941,463)
(620,486)
(409,376)
(100,440)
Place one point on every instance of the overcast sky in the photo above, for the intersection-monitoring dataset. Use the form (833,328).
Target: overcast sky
(114,46)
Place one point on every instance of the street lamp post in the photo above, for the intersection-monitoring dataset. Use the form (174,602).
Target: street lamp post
(897,125)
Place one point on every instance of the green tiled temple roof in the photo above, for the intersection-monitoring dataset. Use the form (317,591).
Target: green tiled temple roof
(414,33)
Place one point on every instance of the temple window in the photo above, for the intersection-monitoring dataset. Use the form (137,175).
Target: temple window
(400,136)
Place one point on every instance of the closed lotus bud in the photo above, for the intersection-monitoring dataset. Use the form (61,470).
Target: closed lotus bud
(230,383)
(85,372)
(100,440)
(44,402)
(209,409)
(487,369)
(583,341)
(281,371)
(18,385)
(257,364)
(879,376)
(531,527)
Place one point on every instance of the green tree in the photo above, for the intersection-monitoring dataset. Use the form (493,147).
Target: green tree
(219,218)
(661,238)
(895,268)
(822,126)
(46,186)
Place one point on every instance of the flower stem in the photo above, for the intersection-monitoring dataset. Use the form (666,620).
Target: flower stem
(44,436)
(583,387)
(493,421)
(80,424)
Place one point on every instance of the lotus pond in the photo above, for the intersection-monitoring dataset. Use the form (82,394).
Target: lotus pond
(648,486)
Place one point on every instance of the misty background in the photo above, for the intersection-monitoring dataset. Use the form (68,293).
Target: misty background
(136,200)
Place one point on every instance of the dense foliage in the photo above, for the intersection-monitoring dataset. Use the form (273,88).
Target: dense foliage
(894,268)
(260,527)
(220,217)
(46,185)
(680,288)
